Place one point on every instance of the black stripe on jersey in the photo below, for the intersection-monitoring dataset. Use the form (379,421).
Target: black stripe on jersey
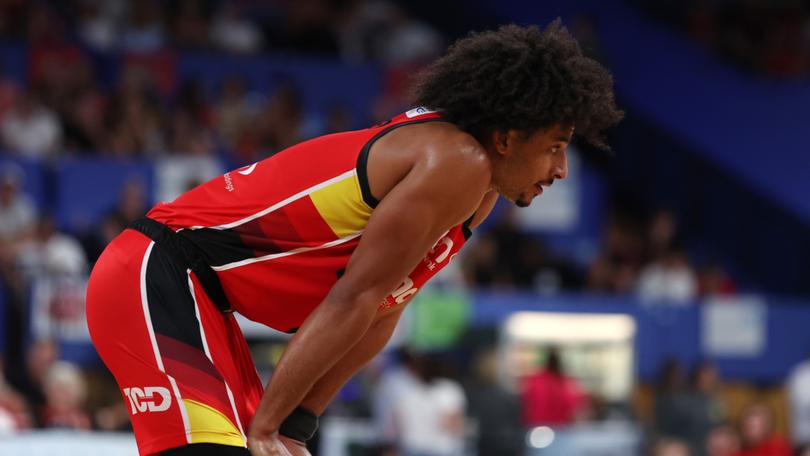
(362,159)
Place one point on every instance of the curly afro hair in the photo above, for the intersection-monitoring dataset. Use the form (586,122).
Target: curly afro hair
(520,78)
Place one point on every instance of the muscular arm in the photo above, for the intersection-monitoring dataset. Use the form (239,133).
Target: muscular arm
(373,342)
(439,191)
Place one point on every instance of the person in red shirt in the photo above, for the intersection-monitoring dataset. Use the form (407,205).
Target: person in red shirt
(550,397)
(723,440)
(329,239)
(758,435)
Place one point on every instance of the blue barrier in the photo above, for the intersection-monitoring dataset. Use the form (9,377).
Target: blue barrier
(662,332)
(13,61)
(34,177)
(87,189)
(667,331)
(753,128)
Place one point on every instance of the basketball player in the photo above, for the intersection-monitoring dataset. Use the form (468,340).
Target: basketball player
(329,240)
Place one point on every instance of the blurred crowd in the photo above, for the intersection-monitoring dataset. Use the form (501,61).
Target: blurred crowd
(66,107)
(762,36)
(692,416)
(639,254)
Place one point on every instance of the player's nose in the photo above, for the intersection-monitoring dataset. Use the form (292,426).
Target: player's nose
(561,168)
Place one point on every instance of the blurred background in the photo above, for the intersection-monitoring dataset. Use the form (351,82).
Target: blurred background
(657,302)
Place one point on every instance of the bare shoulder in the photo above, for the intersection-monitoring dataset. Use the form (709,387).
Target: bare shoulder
(437,149)
(448,145)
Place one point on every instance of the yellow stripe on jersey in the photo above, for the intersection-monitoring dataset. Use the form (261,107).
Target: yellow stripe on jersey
(342,207)
(208,425)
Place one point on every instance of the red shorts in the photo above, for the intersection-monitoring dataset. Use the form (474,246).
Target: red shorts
(184,368)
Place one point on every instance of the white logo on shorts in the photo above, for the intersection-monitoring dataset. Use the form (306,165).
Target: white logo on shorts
(148,399)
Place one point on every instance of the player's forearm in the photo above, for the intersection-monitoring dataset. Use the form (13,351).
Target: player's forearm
(332,329)
(358,356)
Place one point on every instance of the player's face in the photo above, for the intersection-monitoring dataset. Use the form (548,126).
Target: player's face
(528,162)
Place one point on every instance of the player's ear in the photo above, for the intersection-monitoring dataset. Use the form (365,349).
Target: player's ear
(501,139)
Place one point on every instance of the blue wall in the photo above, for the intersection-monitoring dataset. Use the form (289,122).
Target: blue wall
(667,331)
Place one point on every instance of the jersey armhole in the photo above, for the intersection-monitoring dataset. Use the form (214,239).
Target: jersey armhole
(465,227)
(362,159)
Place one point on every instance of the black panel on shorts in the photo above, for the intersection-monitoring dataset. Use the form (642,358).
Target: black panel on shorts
(171,307)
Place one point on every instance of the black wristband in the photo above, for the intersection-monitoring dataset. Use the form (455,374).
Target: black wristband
(300,425)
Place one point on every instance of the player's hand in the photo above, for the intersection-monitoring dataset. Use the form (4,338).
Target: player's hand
(295,447)
(267,445)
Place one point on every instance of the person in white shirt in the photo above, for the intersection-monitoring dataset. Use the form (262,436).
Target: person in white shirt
(798,388)
(429,413)
(30,129)
(18,213)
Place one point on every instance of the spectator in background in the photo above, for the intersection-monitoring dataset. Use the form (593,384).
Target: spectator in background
(392,385)
(65,392)
(758,436)
(113,417)
(135,123)
(8,91)
(705,408)
(144,31)
(669,279)
(131,201)
(662,231)
(98,23)
(14,412)
(713,280)
(190,24)
(673,407)
(232,31)
(496,410)
(670,447)
(18,212)
(281,122)
(131,205)
(509,257)
(188,137)
(30,129)
(307,27)
(616,268)
(41,355)
(232,110)
(723,440)
(7,422)
(338,118)
(429,413)
(51,254)
(405,40)
(550,397)
(798,392)
(12,14)
(112,224)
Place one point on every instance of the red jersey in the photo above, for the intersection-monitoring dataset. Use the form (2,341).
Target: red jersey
(280,232)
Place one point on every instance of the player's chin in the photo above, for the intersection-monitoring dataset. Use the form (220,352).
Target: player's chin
(524,201)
